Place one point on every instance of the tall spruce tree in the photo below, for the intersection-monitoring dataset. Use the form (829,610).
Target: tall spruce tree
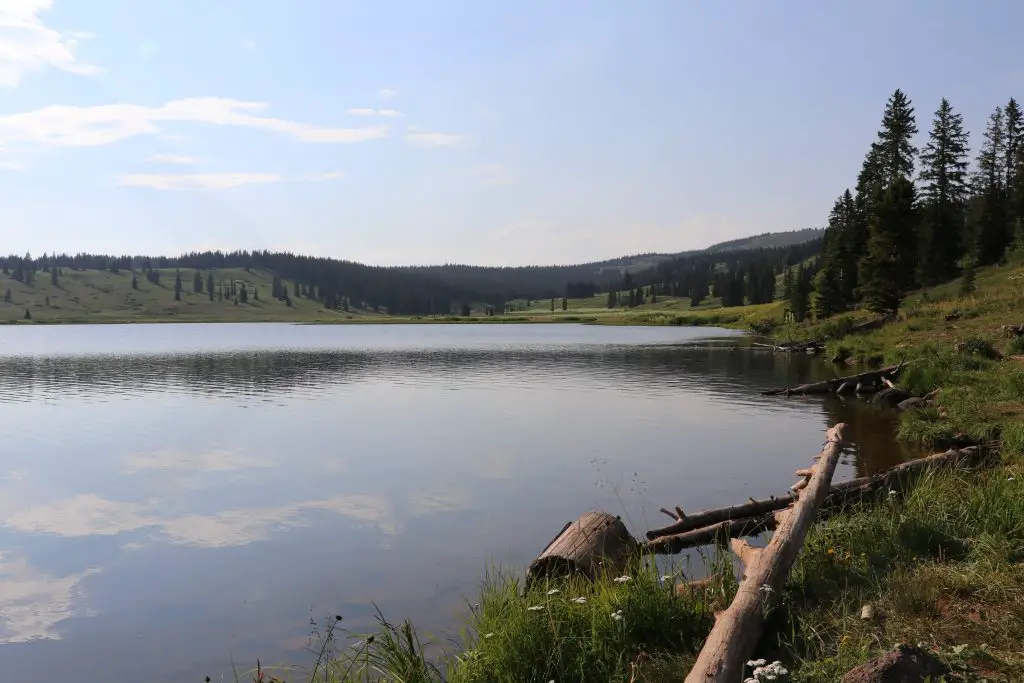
(887,270)
(1014,163)
(895,150)
(988,213)
(944,192)
(177,287)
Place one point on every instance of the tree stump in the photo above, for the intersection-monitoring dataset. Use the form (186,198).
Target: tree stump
(594,543)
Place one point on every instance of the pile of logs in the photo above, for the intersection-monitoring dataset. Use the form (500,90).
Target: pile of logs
(863,382)
(811,347)
(598,543)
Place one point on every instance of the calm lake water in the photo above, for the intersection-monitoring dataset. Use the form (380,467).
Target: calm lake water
(175,493)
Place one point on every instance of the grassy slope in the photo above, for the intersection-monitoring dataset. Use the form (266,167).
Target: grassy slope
(96,296)
(944,566)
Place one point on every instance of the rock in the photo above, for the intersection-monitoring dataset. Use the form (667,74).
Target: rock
(890,398)
(912,403)
(867,612)
(905,664)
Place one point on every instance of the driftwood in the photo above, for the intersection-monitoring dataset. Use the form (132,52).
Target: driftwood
(757,516)
(1013,331)
(812,346)
(596,541)
(861,382)
(738,628)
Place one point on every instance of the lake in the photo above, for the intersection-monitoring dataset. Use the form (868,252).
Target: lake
(174,496)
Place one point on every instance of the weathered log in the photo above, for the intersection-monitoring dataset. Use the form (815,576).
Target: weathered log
(830,386)
(1013,330)
(869,325)
(756,516)
(593,543)
(738,628)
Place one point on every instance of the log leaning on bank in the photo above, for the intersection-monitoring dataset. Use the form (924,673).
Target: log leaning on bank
(757,516)
(594,543)
(738,628)
(863,381)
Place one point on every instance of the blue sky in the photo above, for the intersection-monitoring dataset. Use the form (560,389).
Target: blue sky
(462,131)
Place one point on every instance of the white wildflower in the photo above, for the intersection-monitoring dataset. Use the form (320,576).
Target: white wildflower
(766,589)
(756,662)
(488,635)
(1009,478)
(554,591)
(622,579)
(892,492)
(617,615)
(579,601)
(535,608)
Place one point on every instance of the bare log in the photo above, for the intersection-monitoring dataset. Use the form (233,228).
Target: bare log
(596,541)
(738,628)
(757,515)
(831,386)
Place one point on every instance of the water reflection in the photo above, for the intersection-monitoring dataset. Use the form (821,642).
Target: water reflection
(159,509)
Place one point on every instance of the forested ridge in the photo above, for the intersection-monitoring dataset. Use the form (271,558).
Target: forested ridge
(419,290)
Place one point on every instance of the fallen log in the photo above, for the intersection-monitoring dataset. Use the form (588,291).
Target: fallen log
(1013,330)
(757,516)
(869,325)
(863,381)
(593,543)
(738,628)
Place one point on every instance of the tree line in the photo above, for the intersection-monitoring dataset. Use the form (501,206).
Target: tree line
(897,229)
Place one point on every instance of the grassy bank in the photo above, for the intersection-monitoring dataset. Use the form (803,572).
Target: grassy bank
(942,567)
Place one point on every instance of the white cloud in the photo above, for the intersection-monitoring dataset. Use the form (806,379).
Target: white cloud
(32,603)
(493,174)
(213,181)
(176,159)
(370,111)
(27,44)
(433,139)
(196,181)
(216,460)
(387,94)
(72,126)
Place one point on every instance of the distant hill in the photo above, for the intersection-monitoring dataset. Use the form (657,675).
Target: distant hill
(769,240)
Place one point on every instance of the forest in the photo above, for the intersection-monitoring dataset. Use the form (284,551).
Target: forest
(921,217)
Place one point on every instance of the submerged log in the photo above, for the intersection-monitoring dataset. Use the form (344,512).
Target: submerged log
(863,381)
(738,628)
(594,543)
(757,516)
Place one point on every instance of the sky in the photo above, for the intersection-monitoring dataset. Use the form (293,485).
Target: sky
(494,133)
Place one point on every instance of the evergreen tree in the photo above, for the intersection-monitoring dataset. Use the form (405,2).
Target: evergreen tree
(895,151)
(7,296)
(565,304)
(177,286)
(1015,173)
(988,215)
(887,271)
(135,281)
(1012,140)
(284,294)
(53,277)
(220,293)
(800,300)
(197,283)
(612,299)
(243,294)
(28,314)
(967,280)
(255,294)
(787,283)
(552,305)
(944,191)
(209,284)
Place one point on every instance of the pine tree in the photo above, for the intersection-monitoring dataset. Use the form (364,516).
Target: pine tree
(7,296)
(800,299)
(1015,173)
(565,304)
(177,287)
(135,281)
(887,271)
(787,283)
(967,280)
(28,314)
(612,299)
(944,191)
(1012,140)
(895,151)
(552,305)
(53,277)
(197,283)
(988,215)
(243,294)
(220,293)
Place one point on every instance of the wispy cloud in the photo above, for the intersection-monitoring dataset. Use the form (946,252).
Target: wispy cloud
(370,111)
(493,174)
(72,126)
(27,44)
(177,159)
(387,94)
(424,138)
(213,181)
